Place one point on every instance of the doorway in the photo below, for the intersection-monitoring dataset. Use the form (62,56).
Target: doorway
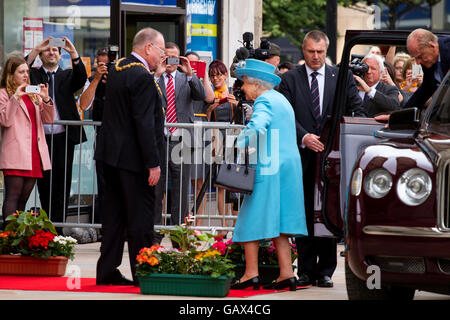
(171,26)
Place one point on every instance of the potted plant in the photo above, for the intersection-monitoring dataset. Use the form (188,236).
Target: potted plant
(267,257)
(29,245)
(194,269)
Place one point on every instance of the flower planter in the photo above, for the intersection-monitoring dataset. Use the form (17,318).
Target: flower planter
(30,266)
(184,285)
(267,272)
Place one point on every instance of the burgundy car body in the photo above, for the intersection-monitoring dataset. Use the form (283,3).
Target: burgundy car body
(409,243)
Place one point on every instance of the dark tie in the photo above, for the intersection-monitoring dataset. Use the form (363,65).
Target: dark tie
(315,96)
(50,84)
(366,99)
(171,110)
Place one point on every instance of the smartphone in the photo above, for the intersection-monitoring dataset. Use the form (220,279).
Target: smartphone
(199,68)
(57,42)
(223,100)
(416,70)
(173,61)
(33,89)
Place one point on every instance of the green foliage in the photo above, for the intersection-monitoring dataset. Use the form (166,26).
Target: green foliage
(293,18)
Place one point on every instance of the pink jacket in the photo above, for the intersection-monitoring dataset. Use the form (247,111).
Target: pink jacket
(15,150)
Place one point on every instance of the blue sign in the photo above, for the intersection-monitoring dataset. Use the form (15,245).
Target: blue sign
(201,16)
(171,3)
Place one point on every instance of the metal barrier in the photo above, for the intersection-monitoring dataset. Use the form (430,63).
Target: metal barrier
(212,142)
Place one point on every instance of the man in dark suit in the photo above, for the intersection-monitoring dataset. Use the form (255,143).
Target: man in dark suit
(378,97)
(128,147)
(180,89)
(54,187)
(310,89)
(433,54)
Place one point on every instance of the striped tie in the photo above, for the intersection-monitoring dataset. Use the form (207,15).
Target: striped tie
(171,111)
(315,96)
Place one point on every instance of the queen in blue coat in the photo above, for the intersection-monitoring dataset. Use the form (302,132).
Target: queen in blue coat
(275,210)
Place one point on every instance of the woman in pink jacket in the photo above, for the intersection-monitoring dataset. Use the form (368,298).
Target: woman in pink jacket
(24,152)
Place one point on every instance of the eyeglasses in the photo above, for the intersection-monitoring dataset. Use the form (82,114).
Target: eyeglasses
(161,51)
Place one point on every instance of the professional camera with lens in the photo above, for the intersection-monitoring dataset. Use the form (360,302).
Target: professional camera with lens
(358,67)
(247,52)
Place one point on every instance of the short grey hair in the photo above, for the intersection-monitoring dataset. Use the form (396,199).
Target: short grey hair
(260,83)
(422,36)
(317,35)
(144,36)
(377,57)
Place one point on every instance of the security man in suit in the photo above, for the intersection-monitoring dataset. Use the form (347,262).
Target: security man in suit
(310,89)
(180,87)
(378,97)
(63,84)
(128,147)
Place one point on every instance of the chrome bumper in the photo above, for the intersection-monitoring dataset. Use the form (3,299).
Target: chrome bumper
(406,231)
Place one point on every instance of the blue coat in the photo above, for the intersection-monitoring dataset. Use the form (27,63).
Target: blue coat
(276,205)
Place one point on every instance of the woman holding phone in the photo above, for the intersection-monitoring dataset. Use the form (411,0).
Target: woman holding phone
(24,153)
(223,109)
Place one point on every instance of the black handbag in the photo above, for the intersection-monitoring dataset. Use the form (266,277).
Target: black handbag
(236,177)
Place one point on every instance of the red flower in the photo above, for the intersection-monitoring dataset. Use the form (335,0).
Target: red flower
(40,239)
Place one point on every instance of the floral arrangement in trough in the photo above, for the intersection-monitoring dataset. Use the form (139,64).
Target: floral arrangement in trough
(33,234)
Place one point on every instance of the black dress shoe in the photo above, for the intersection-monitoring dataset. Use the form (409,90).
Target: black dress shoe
(255,282)
(325,282)
(286,283)
(117,280)
(305,281)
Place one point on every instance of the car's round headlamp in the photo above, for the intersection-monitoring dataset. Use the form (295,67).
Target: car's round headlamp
(378,183)
(414,187)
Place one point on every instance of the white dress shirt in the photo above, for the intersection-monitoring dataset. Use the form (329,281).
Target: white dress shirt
(320,83)
(53,128)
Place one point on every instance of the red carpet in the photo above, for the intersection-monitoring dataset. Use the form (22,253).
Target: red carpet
(88,285)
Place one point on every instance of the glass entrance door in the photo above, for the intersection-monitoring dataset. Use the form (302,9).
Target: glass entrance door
(171,26)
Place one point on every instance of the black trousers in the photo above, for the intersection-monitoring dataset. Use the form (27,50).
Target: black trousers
(128,205)
(316,256)
(57,180)
(178,179)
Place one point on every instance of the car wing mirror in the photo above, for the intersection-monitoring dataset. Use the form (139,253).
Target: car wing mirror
(404,119)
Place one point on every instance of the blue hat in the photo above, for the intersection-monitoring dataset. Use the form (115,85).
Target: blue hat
(257,69)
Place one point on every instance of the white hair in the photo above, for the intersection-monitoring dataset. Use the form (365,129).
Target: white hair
(377,57)
(260,83)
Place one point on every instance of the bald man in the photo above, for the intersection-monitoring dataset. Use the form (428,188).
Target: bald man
(128,146)
(433,54)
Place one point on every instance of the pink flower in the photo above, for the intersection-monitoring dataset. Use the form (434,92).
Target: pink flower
(221,247)
(197,233)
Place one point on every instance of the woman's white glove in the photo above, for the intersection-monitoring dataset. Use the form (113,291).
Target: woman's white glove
(248,111)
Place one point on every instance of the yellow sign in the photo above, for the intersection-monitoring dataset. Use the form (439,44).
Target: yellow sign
(201,30)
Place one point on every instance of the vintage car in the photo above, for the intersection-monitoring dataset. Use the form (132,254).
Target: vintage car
(386,190)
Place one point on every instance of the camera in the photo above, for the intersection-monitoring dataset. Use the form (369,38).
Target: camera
(57,42)
(173,61)
(358,67)
(32,89)
(113,51)
(247,52)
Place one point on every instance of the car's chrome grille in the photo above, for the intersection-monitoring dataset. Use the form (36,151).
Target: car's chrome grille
(446,195)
